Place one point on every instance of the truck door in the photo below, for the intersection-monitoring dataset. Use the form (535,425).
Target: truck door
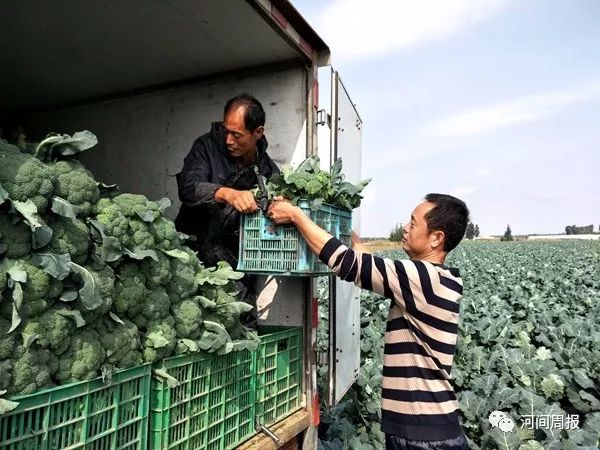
(345,129)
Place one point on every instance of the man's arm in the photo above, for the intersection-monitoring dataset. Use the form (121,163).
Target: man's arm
(196,189)
(380,275)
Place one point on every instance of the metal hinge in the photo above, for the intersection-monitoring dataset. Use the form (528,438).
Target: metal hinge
(323,118)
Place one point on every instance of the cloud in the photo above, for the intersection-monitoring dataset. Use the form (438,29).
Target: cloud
(513,112)
(358,30)
(463,191)
(483,172)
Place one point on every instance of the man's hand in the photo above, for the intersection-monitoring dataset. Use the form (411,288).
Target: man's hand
(242,201)
(282,211)
(357,244)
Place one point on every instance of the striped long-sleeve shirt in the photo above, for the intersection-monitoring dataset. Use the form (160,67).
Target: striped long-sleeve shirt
(418,400)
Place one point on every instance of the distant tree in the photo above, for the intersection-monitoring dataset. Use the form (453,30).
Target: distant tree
(507,234)
(574,229)
(476,230)
(470,233)
(397,233)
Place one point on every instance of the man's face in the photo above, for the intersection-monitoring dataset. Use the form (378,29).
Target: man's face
(417,240)
(240,141)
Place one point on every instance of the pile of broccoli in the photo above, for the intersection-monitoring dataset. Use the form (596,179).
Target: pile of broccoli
(93,280)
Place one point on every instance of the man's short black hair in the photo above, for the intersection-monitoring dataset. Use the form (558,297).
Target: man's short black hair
(254,114)
(449,215)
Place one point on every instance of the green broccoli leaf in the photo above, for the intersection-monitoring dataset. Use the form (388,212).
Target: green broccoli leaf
(140,254)
(73,314)
(63,208)
(65,145)
(171,380)
(163,204)
(6,405)
(218,276)
(17,302)
(110,248)
(89,291)
(157,340)
(57,266)
(3,195)
(68,295)
(116,318)
(179,254)
(14,269)
(41,233)
(29,339)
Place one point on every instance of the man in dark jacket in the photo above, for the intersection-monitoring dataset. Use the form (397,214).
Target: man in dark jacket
(215,182)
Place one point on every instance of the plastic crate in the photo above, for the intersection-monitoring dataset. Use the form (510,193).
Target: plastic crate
(83,415)
(280,249)
(212,407)
(278,374)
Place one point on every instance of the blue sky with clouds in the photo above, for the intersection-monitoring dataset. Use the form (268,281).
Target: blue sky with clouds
(497,102)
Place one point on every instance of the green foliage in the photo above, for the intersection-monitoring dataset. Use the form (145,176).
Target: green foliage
(24,177)
(75,185)
(507,234)
(15,236)
(397,233)
(470,232)
(528,344)
(88,284)
(32,370)
(69,236)
(309,182)
(83,359)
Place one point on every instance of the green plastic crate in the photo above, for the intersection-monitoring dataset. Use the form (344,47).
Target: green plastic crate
(212,407)
(87,415)
(280,249)
(278,374)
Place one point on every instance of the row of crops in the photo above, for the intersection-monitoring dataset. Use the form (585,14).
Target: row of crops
(529,346)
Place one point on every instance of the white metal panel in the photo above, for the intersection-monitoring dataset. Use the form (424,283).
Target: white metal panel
(143,140)
(344,352)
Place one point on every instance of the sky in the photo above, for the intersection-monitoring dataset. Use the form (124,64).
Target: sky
(496,102)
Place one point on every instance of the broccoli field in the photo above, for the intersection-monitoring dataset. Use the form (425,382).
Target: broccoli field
(529,345)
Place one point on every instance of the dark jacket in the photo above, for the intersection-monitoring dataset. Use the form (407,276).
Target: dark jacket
(207,167)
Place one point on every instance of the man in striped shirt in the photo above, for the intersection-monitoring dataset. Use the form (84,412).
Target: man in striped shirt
(419,406)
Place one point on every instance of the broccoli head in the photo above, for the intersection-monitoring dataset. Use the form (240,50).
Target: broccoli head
(83,359)
(183,282)
(35,290)
(3,282)
(112,219)
(16,235)
(138,236)
(69,236)
(74,184)
(25,177)
(188,318)
(53,330)
(157,273)
(132,205)
(160,340)
(155,306)
(32,370)
(130,289)
(165,234)
(121,343)
(7,341)
(105,280)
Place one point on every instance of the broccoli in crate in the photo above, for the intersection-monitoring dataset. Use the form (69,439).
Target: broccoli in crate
(325,196)
(93,280)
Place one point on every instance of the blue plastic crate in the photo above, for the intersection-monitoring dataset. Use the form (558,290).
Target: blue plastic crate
(268,248)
